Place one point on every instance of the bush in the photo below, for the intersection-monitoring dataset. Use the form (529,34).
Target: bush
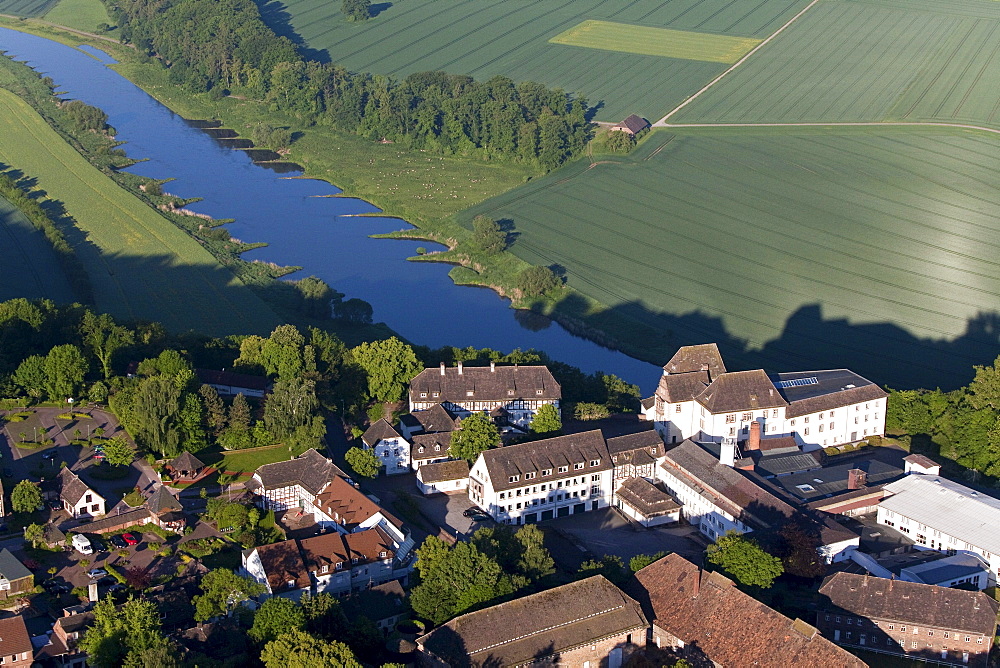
(536,281)
(590,411)
(831,451)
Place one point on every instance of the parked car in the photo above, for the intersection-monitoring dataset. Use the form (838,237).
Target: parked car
(50,454)
(131,538)
(57,587)
(95,573)
(118,542)
(82,544)
(477,514)
(56,505)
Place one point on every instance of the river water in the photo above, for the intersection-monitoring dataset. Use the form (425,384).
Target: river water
(323,235)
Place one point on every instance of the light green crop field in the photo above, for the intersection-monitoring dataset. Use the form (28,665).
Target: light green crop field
(141,266)
(745,233)
(80,14)
(663,42)
(32,8)
(511,37)
(868,60)
(30,266)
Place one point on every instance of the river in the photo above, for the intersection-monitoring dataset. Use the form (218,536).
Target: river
(323,235)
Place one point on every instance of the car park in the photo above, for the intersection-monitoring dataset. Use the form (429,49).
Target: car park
(118,542)
(82,544)
(131,538)
(50,454)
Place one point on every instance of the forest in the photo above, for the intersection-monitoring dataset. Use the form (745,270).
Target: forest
(226,49)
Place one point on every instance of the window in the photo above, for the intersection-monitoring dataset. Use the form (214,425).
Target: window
(529,476)
(513,478)
(547,472)
(774,413)
(967,638)
(806,419)
(324,569)
(595,462)
(746,417)
(892,626)
(850,620)
(902,629)
(806,431)
(89,498)
(730,418)
(677,408)
(354,560)
(340,565)
(563,469)
(913,644)
(791,422)
(946,635)
(510,393)
(930,634)
(821,428)
(916,630)
(820,416)
(595,478)
(826,618)
(291,584)
(434,394)
(831,426)
(469,393)
(538,392)
(423,395)
(577,466)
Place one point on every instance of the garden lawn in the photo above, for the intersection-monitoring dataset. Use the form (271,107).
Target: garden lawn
(511,38)
(859,246)
(868,60)
(30,267)
(141,266)
(246,461)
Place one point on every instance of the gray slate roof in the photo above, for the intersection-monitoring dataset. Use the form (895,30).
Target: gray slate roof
(441,471)
(186,462)
(502,383)
(434,419)
(740,391)
(835,388)
(379,431)
(11,568)
(434,445)
(881,465)
(311,470)
(964,513)
(162,501)
(634,123)
(644,440)
(536,626)
(703,357)
(646,497)
(550,453)
(911,603)
(72,488)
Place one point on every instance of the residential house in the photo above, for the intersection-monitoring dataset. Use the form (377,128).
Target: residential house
(15,643)
(77,498)
(590,624)
(516,392)
(646,503)
(443,477)
(430,448)
(698,399)
(433,420)
(165,510)
(384,604)
(635,455)
(709,621)
(293,484)
(389,446)
(346,509)
(942,515)
(539,480)
(279,567)
(53,538)
(185,467)
(937,624)
(15,578)
(632,125)
(229,384)
(62,646)
(921,464)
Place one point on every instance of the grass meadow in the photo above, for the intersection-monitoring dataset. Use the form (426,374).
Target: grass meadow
(863,60)
(30,266)
(740,230)
(511,37)
(29,8)
(80,14)
(683,44)
(141,266)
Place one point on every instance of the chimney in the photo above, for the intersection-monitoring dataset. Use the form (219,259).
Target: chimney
(92,592)
(442,368)
(727,457)
(459,368)
(493,367)
(697,583)
(754,443)
(856,479)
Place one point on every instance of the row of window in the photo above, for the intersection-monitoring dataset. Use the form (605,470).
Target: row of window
(914,630)
(470,393)
(580,494)
(552,485)
(547,472)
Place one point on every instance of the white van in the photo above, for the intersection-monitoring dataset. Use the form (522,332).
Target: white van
(82,544)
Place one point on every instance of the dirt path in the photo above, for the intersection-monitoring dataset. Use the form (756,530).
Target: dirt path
(83,33)
(860,124)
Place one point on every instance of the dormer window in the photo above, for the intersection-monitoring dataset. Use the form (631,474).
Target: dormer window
(340,565)
(435,394)
(437,448)
(354,560)
(468,393)
(563,469)
(291,584)
(595,462)
(538,392)
(546,471)
(382,554)
(577,466)
(510,393)
(423,395)
(420,449)
(529,476)
(324,569)
(513,478)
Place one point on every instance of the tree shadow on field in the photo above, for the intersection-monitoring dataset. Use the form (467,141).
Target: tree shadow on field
(883,352)
(275,15)
(377,9)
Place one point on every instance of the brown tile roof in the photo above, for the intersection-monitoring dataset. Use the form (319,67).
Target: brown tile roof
(778,443)
(162,501)
(441,471)
(706,611)
(703,357)
(503,383)
(347,505)
(368,545)
(920,460)
(683,386)
(113,522)
(536,626)
(324,550)
(14,638)
(646,497)
(846,397)
(740,391)
(435,419)
(379,431)
(912,603)
(72,488)
(550,453)
(283,563)
(648,403)
(185,462)
(643,440)
(434,446)
(634,123)
(311,470)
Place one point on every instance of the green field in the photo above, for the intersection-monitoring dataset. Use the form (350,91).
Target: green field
(32,8)
(511,37)
(890,60)
(734,232)
(30,266)
(663,42)
(141,266)
(80,14)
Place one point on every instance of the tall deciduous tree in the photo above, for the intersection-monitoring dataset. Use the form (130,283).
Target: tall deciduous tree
(984,390)
(118,637)
(452,580)
(536,281)
(156,404)
(30,376)
(119,452)
(478,434)
(104,337)
(65,367)
(274,617)
(221,591)
(487,236)
(26,497)
(291,405)
(363,462)
(389,366)
(742,559)
(547,420)
(298,649)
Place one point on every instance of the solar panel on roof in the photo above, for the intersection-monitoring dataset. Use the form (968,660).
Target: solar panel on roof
(797,382)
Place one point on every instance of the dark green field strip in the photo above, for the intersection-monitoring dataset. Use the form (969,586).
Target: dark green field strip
(487,38)
(30,267)
(858,61)
(26,7)
(751,230)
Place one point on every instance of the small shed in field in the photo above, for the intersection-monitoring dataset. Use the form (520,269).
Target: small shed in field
(632,125)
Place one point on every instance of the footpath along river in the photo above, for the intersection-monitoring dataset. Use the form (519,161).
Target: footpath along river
(323,235)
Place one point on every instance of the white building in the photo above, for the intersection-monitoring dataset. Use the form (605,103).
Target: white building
(943,515)
(698,399)
(293,484)
(443,477)
(389,446)
(77,498)
(540,480)
(347,510)
(513,393)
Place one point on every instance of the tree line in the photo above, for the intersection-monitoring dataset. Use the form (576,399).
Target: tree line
(224,47)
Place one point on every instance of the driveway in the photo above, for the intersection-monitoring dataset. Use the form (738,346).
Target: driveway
(605,531)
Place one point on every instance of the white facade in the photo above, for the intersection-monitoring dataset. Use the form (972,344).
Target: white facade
(91,504)
(713,516)
(442,486)
(394,453)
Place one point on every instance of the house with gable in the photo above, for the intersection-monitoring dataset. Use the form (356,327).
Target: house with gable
(430,449)
(512,394)
(165,510)
(635,455)
(15,643)
(293,484)
(433,420)
(697,398)
(391,448)
(15,578)
(77,498)
(347,510)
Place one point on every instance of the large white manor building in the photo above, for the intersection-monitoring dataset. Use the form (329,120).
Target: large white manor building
(698,399)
